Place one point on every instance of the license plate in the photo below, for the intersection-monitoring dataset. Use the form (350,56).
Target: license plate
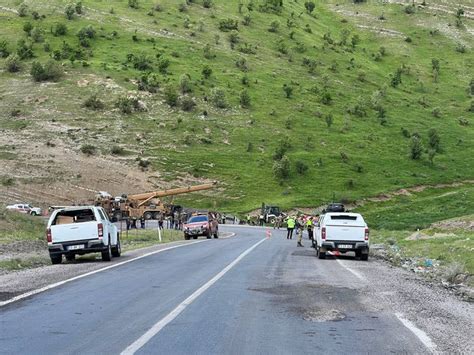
(345,246)
(75,247)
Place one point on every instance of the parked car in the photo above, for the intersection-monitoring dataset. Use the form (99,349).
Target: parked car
(201,225)
(25,208)
(343,232)
(81,230)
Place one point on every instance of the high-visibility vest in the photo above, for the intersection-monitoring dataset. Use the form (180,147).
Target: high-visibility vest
(290,223)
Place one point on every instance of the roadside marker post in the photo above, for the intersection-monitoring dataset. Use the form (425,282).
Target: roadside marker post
(159,232)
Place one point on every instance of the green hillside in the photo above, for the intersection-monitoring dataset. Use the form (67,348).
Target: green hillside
(278,104)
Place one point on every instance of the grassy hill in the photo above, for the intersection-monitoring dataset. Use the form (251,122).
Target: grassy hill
(339,93)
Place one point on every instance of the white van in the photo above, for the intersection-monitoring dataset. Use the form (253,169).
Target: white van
(343,232)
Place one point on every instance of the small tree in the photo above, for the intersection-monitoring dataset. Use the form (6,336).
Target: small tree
(69,12)
(309,5)
(396,78)
(281,168)
(78,7)
(329,120)
(171,96)
(416,148)
(133,4)
(301,167)
(218,98)
(435,67)
(27,27)
(206,72)
(288,89)
(434,140)
(244,99)
(60,29)
(185,84)
(4,51)
(12,63)
(23,10)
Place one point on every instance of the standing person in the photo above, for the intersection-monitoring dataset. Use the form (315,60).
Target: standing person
(160,222)
(248,219)
(299,231)
(262,220)
(290,226)
(309,227)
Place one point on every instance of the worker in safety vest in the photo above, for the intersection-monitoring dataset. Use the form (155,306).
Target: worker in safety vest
(290,226)
(300,224)
(309,227)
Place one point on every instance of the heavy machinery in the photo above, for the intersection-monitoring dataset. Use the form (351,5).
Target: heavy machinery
(270,213)
(145,205)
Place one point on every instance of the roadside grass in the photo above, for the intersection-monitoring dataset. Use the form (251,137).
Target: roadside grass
(16,226)
(215,143)
(16,264)
(141,238)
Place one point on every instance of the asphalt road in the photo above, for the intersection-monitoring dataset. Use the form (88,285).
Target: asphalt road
(275,299)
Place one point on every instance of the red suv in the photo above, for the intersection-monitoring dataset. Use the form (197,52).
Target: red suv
(201,225)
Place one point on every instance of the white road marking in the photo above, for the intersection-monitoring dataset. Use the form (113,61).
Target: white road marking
(420,334)
(355,273)
(48,287)
(145,338)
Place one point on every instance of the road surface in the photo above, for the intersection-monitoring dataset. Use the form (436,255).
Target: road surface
(243,295)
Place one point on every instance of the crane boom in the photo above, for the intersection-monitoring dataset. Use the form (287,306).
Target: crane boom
(171,192)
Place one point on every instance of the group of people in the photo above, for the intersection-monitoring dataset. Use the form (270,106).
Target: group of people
(300,224)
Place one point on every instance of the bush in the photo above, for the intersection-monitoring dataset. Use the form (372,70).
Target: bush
(283,146)
(405,132)
(271,6)
(12,64)
(416,148)
(117,150)
(207,52)
(247,20)
(409,9)
(133,4)
(206,72)
(396,78)
(23,10)
(182,8)
(78,7)
(281,168)
(187,103)
(241,63)
(69,12)
(143,163)
(163,65)
(4,52)
(288,89)
(86,32)
(51,71)
(471,87)
(171,96)
(460,48)
(329,120)
(94,103)
(309,6)
(185,84)
(326,98)
(436,112)
(88,149)
(27,27)
(128,104)
(244,99)
(434,140)
(274,26)
(226,25)
(301,167)
(207,4)
(218,98)
(37,35)
(60,29)
(463,121)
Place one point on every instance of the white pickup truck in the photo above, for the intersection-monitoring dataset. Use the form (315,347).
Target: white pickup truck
(81,230)
(343,232)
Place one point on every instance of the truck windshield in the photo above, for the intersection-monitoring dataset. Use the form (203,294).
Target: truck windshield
(344,216)
(197,219)
(74,216)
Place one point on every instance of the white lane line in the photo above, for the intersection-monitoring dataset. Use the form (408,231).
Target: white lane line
(48,287)
(420,334)
(155,329)
(355,273)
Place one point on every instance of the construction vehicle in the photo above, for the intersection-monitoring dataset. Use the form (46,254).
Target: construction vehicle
(270,213)
(145,205)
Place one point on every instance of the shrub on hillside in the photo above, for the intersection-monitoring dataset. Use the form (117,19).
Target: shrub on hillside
(163,65)
(271,6)
(434,141)
(218,98)
(274,26)
(226,25)
(301,167)
(283,146)
(416,148)
(23,10)
(37,35)
(69,12)
(4,52)
(182,7)
(241,63)
(94,103)
(329,120)
(247,20)
(88,149)
(281,168)
(51,71)
(133,4)
(171,96)
(128,104)
(27,27)
(185,85)
(396,78)
(187,103)
(206,72)
(12,63)
(244,99)
(60,29)
(288,90)
(207,4)
(78,7)
(309,6)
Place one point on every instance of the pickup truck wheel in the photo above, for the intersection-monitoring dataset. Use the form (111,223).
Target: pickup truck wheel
(321,254)
(107,254)
(57,259)
(70,257)
(364,257)
(34,214)
(117,250)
